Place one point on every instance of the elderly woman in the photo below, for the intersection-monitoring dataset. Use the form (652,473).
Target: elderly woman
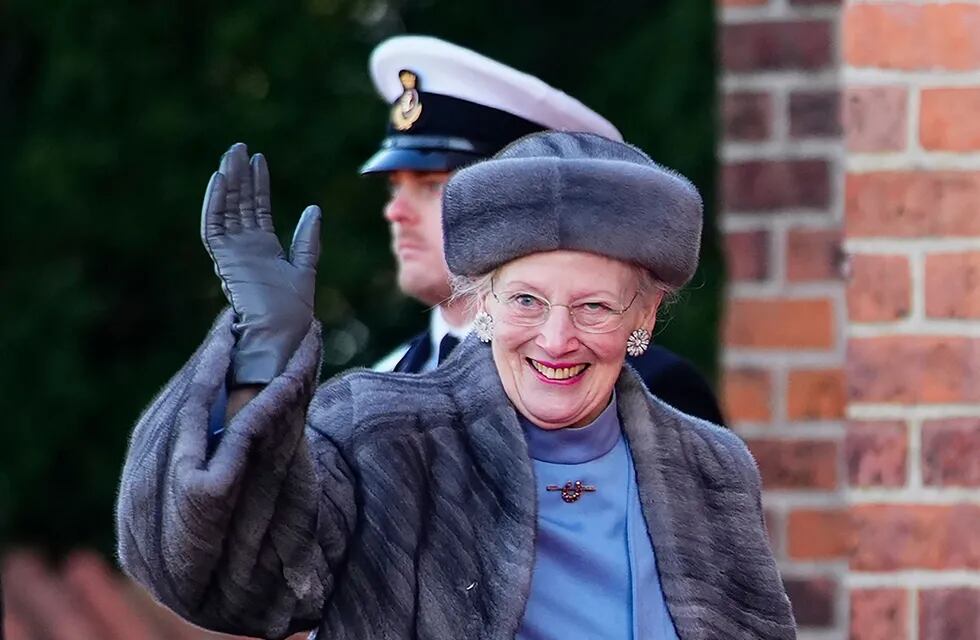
(528,488)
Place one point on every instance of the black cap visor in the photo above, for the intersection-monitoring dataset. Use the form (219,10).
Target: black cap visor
(449,134)
(408,159)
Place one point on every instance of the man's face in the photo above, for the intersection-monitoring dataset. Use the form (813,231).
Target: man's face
(414,212)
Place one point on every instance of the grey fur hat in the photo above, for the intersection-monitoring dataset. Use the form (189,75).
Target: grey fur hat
(575,191)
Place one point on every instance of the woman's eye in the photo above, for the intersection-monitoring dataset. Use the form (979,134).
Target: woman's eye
(525,300)
(595,306)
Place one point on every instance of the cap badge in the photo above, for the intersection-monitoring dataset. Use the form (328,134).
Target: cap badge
(408,107)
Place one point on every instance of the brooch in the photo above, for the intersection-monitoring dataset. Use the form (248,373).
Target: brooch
(571,491)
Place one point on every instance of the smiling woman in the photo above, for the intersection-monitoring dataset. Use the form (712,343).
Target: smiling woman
(558,362)
(530,473)
(605,296)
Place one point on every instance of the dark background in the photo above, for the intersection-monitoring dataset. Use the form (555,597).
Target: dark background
(113,116)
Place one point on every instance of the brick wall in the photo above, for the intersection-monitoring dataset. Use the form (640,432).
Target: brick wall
(83,598)
(784,333)
(912,231)
(851,211)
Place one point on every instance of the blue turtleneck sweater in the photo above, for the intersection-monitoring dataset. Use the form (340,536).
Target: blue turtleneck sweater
(595,571)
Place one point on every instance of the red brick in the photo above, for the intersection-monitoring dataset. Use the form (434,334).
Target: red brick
(769,46)
(818,534)
(949,614)
(746,394)
(953,284)
(914,369)
(747,255)
(951,452)
(879,614)
(816,394)
(13,627)
(768,185)
(879,288)
(812,600)
(747,115)
(875,118)
(876,454)
(890,537)
(99,591)
(42,599)
(948,119)
(780,323)
(913,204)
(906,36)
(796,464)
(813,254)
(814,114)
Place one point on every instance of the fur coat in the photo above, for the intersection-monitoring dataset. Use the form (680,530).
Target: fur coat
(385,505)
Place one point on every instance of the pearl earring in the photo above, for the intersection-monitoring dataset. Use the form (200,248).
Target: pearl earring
(483,326)
(638,342)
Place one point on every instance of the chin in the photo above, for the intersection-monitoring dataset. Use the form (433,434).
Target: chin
(553,417)
(417,283)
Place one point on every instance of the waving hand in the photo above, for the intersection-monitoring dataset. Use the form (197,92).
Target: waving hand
(270,292)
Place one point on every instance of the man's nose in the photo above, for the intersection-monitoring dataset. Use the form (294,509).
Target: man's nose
(399,208)
(558,335)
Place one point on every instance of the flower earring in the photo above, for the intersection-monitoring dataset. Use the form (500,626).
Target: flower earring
(638,342)
(483,326)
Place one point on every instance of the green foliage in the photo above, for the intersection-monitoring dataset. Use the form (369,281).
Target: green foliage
(112,117)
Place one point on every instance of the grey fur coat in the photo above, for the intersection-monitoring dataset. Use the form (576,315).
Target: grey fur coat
(403,506)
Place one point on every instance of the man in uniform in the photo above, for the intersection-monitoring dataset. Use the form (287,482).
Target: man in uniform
(451,107)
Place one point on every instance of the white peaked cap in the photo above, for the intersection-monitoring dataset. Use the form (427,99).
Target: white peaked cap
(448,69)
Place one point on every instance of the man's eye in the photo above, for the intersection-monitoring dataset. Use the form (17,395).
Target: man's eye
(433,188)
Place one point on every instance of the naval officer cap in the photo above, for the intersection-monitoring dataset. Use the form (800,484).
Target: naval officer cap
(451,106)
(572,191)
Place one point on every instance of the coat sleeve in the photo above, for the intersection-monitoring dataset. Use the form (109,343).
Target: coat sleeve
(250,539)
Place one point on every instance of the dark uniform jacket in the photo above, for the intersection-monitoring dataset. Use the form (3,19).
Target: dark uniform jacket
(403,506)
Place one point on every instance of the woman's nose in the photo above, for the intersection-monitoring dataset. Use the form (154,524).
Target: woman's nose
(558,335)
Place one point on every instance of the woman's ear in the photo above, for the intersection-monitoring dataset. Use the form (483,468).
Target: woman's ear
(481,303)
(648,319)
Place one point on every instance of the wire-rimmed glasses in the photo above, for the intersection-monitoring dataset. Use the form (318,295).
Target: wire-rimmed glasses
(529,310)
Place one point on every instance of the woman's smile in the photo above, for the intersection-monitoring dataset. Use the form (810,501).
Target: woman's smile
(561,373)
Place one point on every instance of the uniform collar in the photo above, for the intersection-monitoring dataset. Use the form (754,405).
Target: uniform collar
(439,329)
(574,445)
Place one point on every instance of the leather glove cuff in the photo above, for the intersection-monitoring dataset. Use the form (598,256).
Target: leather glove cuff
(263,350)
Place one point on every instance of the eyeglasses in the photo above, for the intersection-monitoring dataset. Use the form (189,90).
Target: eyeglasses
(528,310)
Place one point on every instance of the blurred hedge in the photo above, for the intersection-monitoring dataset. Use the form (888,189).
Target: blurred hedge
(112,117)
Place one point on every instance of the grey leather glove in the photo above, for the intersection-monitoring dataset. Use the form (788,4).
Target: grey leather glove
(271,294)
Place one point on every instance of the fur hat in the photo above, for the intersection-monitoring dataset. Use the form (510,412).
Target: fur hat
(576,191)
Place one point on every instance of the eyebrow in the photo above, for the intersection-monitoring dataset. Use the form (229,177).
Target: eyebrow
(519,284)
